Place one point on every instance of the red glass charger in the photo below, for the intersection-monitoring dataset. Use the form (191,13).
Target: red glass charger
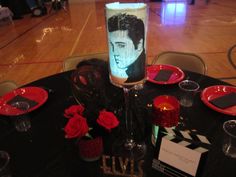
(216,91)
(36,94)
(175,77)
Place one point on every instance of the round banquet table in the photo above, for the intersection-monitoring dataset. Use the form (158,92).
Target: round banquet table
(44,152)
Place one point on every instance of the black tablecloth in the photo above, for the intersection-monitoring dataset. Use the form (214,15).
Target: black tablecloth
(44,152)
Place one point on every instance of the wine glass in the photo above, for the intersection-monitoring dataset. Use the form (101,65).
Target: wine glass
(126,31)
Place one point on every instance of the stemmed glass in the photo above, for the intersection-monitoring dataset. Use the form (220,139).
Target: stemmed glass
(126,31)
(128,145)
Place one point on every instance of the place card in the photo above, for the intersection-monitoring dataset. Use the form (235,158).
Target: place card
(19,98)
(225,101)
(180,152)
(163,75)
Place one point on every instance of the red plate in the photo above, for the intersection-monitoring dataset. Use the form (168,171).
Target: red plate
(33,93)
(176,76)
(216,91)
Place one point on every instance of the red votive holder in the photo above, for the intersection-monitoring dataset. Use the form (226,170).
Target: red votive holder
(91,150)
(165,111)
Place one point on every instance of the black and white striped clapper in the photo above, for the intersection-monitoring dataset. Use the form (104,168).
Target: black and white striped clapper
(190,139)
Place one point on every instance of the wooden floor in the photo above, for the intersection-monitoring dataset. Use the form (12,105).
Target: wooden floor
(33,48)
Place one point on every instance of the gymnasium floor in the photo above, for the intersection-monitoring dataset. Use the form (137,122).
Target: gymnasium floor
(33,48)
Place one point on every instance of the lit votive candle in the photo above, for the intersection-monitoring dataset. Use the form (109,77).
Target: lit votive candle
(165,111)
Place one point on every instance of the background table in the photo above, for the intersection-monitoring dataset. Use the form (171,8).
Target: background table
(44,152)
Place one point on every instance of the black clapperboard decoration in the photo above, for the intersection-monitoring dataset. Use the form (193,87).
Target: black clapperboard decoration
(180,153)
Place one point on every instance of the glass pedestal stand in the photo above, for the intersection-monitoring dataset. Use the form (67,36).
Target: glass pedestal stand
(127,146)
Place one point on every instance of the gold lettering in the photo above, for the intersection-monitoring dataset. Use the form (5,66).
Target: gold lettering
(123,165)
(105,168)
(123,162)
(132,168)
(140,168)
(114,166)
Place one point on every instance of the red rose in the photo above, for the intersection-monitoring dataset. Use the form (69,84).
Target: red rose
(76,127)
(74,109)
(107,119)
